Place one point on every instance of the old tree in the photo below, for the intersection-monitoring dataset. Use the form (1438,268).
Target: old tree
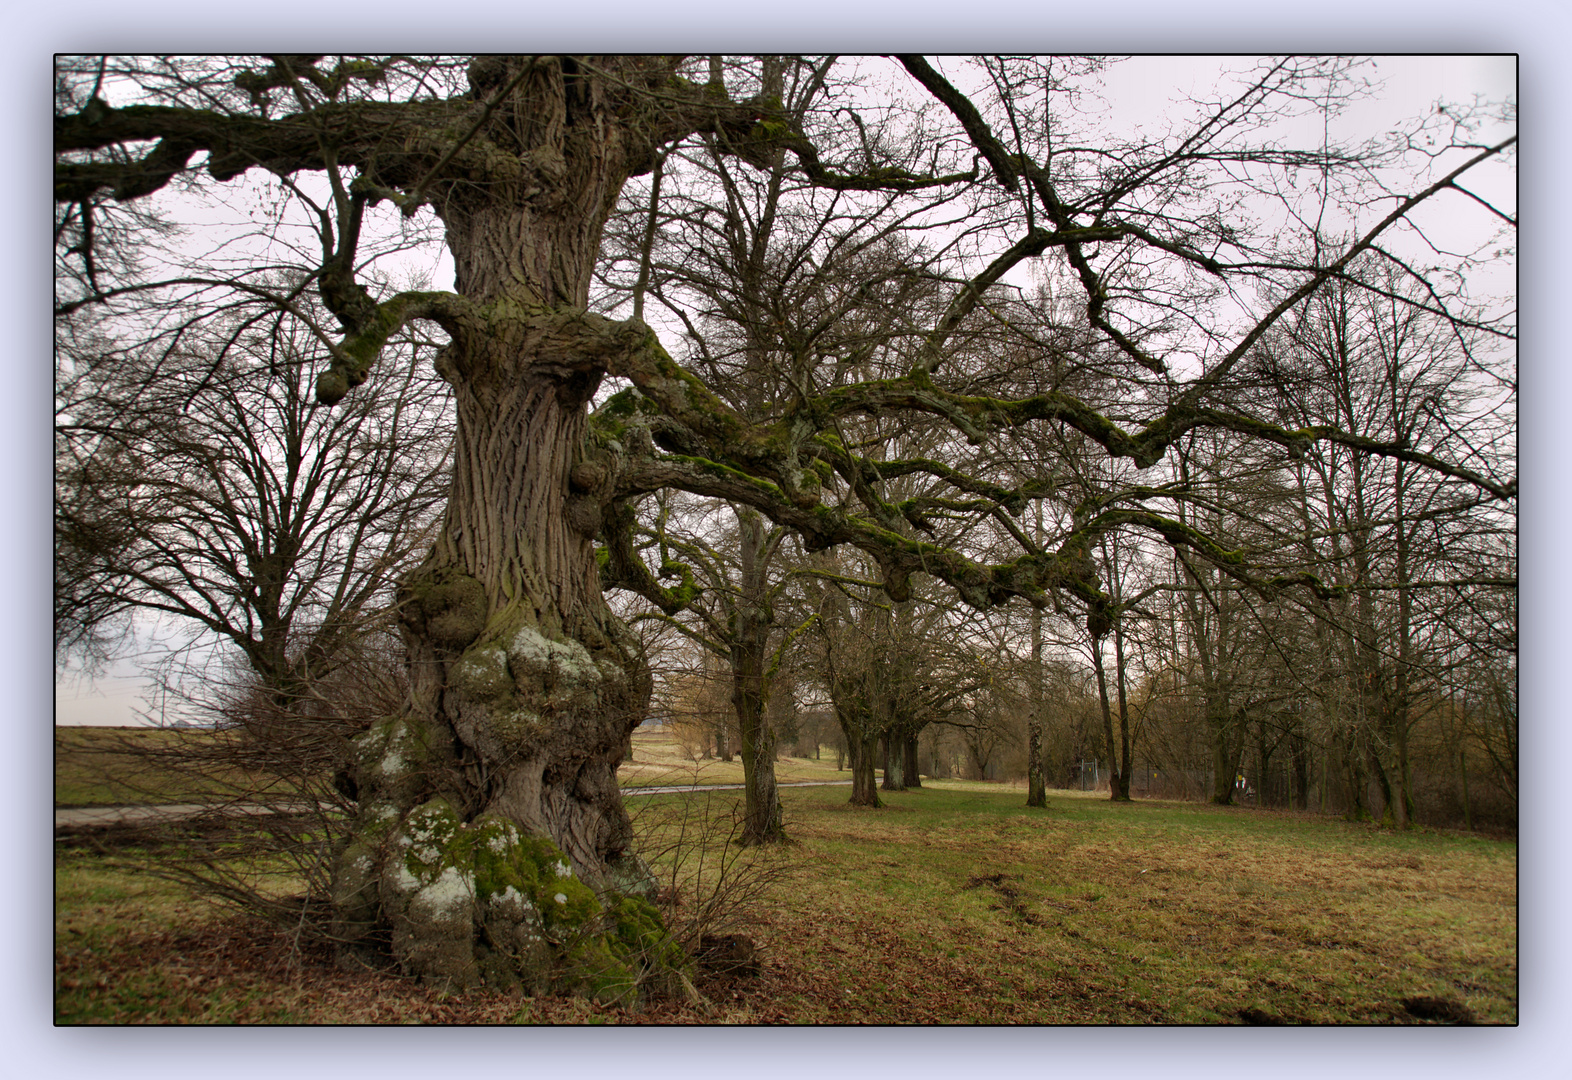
(490,834)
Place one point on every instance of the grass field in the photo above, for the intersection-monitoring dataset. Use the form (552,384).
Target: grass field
(953,903)
(98,766)
(103,766)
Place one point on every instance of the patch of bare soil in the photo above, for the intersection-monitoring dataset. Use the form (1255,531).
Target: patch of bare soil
(1439,1010)
(1011,899)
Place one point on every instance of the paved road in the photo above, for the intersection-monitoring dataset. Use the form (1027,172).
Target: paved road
(127,815)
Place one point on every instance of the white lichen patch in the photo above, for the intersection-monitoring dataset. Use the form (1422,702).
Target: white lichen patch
(400,751)
(398,865)
(512,904)
(531,655)
(392,763)
(449,893)
(561,898)
(563,869)
(403,881)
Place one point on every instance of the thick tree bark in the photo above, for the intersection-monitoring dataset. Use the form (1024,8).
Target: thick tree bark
(862,748)
(761,802)
(1227,734)
(909,761)
(490,830)
(762,811)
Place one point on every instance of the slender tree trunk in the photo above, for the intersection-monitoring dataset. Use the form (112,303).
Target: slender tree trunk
(1036,789)
(1109,746)
(1298,756)
(1326,778)
(751,621)
(1388,812)
(1462,758)
(1263,760)
(1120,771)
(1353,764)
(1401,705)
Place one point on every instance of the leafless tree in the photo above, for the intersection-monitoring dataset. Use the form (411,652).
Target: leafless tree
(203,484)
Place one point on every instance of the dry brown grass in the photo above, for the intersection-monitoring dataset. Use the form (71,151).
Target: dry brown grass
(659,761)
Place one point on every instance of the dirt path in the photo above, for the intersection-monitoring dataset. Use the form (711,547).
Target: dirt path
(80,816)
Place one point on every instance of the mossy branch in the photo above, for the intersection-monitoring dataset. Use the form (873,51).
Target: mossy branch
(621,567)
(786,644)
(352,359)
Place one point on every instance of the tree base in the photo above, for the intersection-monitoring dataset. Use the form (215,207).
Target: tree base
(483,902)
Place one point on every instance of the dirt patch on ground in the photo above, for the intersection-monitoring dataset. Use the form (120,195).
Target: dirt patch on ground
(1439,1010)
(1012,900)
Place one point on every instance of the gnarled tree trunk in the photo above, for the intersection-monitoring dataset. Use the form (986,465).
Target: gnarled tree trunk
(862,747)
(490,831)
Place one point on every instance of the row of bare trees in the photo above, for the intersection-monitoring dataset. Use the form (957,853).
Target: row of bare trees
(1202,683)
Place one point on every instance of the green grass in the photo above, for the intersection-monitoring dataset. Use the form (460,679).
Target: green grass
(98,766)
(952,903)
(1164,911)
